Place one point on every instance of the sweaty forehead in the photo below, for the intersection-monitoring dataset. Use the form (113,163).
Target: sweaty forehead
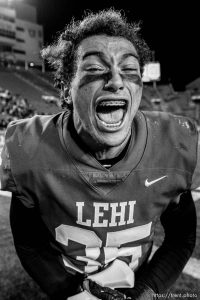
(107,45)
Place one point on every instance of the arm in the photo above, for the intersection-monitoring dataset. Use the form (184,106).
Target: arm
(32,241)
(39,259)
(156,277)
(179,224)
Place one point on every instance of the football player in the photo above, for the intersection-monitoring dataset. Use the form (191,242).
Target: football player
(89,183)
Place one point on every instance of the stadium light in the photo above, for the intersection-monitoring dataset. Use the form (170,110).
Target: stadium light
(151,72)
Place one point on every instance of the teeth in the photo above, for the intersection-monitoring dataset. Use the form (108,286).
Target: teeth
(112,103)
(112,125)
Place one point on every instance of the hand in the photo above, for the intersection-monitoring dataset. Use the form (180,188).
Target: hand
(103,293)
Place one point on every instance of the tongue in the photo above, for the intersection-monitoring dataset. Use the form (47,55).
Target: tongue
(111,117)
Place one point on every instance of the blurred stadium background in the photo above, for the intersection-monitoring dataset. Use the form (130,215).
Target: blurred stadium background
(27,88)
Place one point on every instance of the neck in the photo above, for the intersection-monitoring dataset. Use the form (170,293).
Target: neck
(99,151)
(112,151)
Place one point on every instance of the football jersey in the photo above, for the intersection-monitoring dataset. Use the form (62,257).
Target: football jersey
(95,214)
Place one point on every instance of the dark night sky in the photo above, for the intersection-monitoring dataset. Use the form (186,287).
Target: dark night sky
(172,32)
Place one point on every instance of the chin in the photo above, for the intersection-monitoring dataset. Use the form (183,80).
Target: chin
(112,139)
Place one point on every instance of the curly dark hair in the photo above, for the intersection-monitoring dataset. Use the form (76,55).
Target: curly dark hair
(61,55)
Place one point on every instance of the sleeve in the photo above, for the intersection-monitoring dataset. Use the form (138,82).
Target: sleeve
(157,276)
(7,182)
(37,255)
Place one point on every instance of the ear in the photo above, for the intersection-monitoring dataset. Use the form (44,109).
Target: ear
(66,93)
(67,96)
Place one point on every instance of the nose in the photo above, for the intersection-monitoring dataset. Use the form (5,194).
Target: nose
(114,81)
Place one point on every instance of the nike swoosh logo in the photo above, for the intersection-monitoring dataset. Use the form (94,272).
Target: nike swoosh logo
(148,183)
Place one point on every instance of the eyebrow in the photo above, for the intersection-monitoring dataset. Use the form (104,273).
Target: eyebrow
(91,53)
(102,55)
(126,55)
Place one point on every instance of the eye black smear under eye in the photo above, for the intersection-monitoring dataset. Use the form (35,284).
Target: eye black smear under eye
(133,78)
(107,76)
(93,77)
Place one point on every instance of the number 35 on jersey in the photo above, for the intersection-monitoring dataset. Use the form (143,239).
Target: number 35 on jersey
(95,253)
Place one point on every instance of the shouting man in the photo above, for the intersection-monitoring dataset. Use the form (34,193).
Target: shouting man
(89,184)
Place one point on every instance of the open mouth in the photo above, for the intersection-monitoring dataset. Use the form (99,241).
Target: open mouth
(111,112)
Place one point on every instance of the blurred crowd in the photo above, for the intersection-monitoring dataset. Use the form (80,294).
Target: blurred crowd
(13,107)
